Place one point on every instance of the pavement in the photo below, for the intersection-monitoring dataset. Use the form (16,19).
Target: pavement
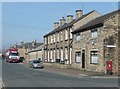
(74,72)
(78,73)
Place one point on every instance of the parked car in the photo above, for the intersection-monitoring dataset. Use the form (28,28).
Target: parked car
(21,59)
(36,64)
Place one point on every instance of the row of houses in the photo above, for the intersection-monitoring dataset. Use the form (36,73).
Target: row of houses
(30,50)
(86,42)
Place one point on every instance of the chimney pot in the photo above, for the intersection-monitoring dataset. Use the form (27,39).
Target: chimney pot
(69,18)
(79,13)
(62,21)
(56,25)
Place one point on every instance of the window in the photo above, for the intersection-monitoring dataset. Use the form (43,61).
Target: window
(45,55)
(54,54)
(61,36)
(82,37)
(66,53)
(70,33)
(48,40)
(58,53)
(51,39)
(57,37)
(51,54)
(36,61)
(70,55)
(61,54)
(94,33)
(78,37)
(94,57)
(78,57)
(54,38)
(66,34)
(48,55)
(14,54)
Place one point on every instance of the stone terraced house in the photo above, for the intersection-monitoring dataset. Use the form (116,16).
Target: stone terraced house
(24,47)
(36,54)
(58,45)
(96,42)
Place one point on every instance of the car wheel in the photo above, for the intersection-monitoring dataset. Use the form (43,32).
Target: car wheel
(42,67)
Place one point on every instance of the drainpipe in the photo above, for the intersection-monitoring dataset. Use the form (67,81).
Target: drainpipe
(104,59)
(69,45)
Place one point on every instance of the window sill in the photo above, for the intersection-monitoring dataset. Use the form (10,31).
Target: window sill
(77,41)
(94,38)
(94,63)
(66,39)
(77,62)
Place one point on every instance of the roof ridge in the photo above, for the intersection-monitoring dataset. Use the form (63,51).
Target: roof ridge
(96,21)
(62,27)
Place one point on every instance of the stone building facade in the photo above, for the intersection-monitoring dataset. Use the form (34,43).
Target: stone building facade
(58,43)
(24,47)
(36,54)
(95,43)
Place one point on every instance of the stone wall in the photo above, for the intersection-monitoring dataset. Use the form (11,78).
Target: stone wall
(86,44)
(119,51)
(111,33)
(32,55)
(22,52)
(66,43)
(109,28)
(88,18)
(111,53)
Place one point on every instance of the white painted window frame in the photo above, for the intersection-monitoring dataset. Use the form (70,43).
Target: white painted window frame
(78,57)
(94,57)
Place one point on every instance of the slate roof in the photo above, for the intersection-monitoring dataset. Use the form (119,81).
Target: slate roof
(28,45)
(60,28)
(96,22)
(39,48)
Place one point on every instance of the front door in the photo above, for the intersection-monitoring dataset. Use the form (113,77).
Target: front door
(83,58)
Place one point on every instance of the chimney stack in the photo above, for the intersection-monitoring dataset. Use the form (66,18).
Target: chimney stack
(34,43)
(79,13)
(69,18)
(56,25)
(62,21)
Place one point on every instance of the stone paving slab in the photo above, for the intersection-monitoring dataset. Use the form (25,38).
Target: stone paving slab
(77,72)
(72,72)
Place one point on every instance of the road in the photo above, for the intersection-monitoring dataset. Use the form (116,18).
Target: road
(19,75)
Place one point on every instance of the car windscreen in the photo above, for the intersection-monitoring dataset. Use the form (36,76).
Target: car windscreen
(36,61)
(21,57)
(13,54)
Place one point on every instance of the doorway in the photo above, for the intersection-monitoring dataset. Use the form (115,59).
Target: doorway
(83,58)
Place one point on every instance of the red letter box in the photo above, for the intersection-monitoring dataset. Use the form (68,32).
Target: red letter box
(109,65)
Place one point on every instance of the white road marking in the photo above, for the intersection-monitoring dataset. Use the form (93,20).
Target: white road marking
(104,77)
(1,84)
(82,75)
